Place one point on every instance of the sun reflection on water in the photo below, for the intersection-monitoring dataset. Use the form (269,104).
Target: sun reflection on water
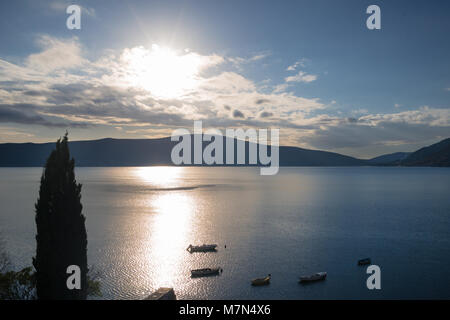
(170,227)
(169,235)
(160,176)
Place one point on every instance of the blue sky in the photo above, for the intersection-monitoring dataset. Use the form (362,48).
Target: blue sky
(310,68)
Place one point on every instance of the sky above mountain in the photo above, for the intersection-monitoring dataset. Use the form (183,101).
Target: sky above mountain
(140,69)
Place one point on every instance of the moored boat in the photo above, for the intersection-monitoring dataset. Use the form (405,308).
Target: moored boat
(314,277)
(202,248)
(364,261)
(162,294)
(205,272)
(261,281)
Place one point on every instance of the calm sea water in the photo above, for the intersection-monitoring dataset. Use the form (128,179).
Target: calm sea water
(301,221)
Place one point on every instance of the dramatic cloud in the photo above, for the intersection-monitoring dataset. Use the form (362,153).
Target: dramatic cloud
(56,55)
(413,128)
(127,91)
(26,114)
(129,88)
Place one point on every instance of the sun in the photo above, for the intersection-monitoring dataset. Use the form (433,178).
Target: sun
(162,71)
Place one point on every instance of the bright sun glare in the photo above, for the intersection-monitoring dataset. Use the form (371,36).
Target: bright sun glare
(162,71)
(163,177)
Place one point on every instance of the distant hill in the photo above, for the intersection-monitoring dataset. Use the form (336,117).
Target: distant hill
(390,158)
(104,152)
(293,156)
(436,155)
(147,152)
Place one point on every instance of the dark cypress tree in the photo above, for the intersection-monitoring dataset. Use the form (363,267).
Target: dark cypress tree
(61,233)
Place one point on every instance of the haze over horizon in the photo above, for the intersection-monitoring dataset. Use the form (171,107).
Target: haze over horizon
(310,68)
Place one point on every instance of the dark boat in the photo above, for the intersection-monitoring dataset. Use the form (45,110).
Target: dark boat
(205,272)
(261,281)
(314,277)
(162,294)
(364,261)
(202,248)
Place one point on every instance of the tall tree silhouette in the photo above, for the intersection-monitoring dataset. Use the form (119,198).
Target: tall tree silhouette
(61,233)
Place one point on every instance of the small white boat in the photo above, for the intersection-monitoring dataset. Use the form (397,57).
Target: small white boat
(261,281)
(314,277)
(205,272)
(202,248)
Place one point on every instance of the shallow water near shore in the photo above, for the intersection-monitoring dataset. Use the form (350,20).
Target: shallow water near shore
(301,221)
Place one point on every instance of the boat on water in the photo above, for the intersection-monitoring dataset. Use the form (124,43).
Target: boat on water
(314,277)
(364,261)
(162,294)
(206,272)
(202,248)
(261,281)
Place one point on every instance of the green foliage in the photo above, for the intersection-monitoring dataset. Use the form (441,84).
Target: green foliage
(21,285)
(15,285)
(94,288)
(93,280)
(61,233)
(18,285)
